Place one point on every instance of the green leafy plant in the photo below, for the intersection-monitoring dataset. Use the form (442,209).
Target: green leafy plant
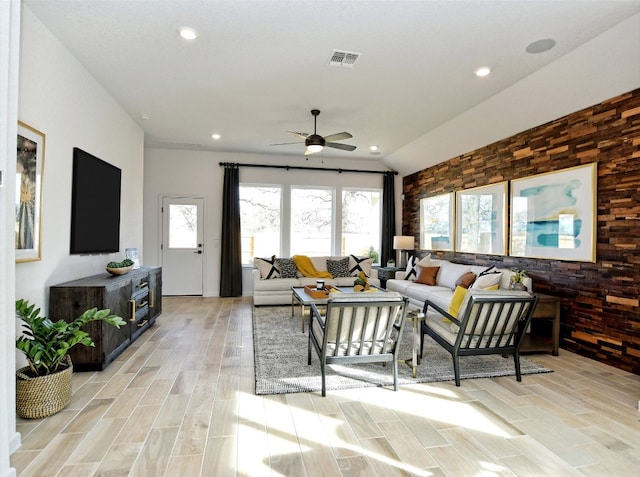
(518,275)
(45,343)
(125,263)
(361,280)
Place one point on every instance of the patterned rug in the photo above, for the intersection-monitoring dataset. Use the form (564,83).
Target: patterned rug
(280,353)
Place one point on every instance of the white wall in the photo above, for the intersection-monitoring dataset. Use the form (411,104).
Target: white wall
(9,48)
(607,66)
(60,98)
(198,173)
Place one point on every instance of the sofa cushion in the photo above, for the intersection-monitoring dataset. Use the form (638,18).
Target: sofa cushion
(287,267)
(276,285)
(466,280)
(427,275)
(450,272)
(360,264)
(338,268)
(267,267)
(485,281)
(411,272)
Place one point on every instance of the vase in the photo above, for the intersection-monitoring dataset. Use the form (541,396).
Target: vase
(518,287)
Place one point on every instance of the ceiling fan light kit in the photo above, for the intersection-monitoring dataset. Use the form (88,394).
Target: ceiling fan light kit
(315,143)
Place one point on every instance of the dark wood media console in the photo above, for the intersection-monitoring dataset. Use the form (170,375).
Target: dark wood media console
(135,296)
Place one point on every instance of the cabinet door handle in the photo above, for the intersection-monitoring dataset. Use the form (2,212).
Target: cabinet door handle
(143,304)
(152,299)
(142,284)
(140,325)
(133,310)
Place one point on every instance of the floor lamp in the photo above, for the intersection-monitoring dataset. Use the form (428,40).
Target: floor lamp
(403,243)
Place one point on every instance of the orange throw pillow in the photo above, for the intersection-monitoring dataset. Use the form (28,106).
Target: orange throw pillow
(466,280)
(427,275)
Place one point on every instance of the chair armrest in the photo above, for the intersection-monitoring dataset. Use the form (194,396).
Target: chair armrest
(400,274)
(316,315)
(445,314)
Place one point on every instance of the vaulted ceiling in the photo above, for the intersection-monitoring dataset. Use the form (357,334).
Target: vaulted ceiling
(257,68)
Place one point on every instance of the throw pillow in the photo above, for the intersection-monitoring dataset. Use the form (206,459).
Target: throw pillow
(427,275)
(338,268)
(466,280)
(267,267)
(411,271)
(450,272)
(456,302)
(360,264)
(485,281)
(425,261)
(287,268)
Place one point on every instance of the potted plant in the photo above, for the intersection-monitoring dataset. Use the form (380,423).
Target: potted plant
(517,279)
(44,386)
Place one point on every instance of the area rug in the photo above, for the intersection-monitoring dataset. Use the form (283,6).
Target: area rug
(280,353)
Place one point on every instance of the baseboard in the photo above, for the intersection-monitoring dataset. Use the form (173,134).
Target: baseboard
(15,442)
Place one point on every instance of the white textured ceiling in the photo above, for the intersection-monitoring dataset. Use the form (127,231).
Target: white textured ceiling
(259,67)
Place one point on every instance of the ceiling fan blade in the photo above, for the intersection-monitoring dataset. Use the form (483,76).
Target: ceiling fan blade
(338,136)
(286,143)
(299,134)
(344,147)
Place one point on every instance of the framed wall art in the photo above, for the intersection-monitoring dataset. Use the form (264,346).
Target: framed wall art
(29,166)
(553,215)
(481,220)
(437,222)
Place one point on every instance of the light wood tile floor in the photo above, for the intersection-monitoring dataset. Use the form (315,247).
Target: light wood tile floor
(180,402)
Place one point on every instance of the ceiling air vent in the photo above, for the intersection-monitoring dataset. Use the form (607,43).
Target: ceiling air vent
(344,59)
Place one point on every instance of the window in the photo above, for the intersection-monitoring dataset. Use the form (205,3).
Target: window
(361,219)
(260,215)
(285,220)
(183,226)
(311,221)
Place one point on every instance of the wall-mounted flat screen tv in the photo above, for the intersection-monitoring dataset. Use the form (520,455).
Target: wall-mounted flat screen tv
(95,205)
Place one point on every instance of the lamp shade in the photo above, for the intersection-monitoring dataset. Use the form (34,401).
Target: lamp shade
(403,242)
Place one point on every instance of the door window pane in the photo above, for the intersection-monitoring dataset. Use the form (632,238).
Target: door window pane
(311,221)
(260,212)
(183,226)
(361,217)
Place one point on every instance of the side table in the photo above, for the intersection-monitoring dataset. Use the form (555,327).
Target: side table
(548,308)
(416,316)
(386,273)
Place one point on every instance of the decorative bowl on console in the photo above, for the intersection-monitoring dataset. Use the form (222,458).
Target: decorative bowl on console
(120,268)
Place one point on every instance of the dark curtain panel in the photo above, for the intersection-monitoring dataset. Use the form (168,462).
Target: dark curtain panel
(388,218)
(230,260)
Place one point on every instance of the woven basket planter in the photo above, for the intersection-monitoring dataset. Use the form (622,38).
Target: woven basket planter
(42,396)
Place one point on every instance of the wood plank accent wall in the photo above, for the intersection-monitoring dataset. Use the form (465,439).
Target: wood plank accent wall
(600,301)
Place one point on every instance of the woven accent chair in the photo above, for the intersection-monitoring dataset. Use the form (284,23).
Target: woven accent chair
(488,322)
(358,328)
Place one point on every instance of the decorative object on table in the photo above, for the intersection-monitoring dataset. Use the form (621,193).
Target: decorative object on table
(437,222)
(516,282)
(403,243)
(481,217)
(29,167)
(319,284)
(120,268)
(361,283)
(553,215)
(44,386)
(132,254)
(391,263)
(319,292)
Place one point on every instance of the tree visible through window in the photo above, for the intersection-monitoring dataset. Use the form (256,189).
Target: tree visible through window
(259,221)
(361,217)
(311,221)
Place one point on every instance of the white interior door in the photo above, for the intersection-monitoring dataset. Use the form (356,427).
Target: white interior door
(182,245)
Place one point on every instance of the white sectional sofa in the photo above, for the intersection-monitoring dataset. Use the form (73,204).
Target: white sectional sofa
(447,276)
(272,289)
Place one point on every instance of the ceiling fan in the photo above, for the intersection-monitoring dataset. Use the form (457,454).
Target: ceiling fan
(315,142)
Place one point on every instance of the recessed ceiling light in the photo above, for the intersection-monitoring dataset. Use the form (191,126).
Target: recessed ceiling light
(540,46)
(216,136)
(374,148)
(482,71)
(145,116)
(188,33)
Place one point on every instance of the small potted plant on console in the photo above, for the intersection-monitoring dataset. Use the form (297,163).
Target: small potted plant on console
(44,386)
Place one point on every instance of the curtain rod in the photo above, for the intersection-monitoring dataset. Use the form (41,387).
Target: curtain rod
(306,168)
